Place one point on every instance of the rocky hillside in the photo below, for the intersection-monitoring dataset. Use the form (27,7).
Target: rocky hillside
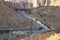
(9,19)
(55,3)
(49,15)
(49,2)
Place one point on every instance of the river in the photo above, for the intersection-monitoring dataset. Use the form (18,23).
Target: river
(45,27)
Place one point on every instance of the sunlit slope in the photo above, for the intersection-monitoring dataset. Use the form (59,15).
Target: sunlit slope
(55,3)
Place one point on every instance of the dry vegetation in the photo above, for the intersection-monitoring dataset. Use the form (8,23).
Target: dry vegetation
(11,20)
(49,15)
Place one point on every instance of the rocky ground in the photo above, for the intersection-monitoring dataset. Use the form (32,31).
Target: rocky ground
(12,20)
(49,35)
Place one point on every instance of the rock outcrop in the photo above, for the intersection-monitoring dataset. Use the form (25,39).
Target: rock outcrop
(55,3)
(11,20)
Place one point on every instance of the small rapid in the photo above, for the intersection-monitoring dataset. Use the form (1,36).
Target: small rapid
(43,25)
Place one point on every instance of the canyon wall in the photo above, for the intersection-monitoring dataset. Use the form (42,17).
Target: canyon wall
(55,3)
